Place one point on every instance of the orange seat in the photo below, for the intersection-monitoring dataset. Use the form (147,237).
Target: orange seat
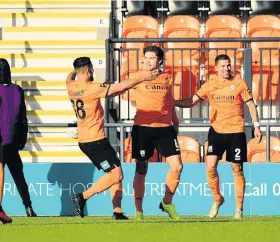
(264,80)
(178,60)
(128,152)
(185,84)
(182,26)
(264,26)
(190,149)
(139,27)
(257,151)
(223,26)
(224,159)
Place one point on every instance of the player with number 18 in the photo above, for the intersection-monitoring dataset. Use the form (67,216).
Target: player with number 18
(85,97)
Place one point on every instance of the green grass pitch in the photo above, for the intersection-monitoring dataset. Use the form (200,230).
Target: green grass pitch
(158,229)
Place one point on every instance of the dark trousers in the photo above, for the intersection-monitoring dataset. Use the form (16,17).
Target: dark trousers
(12,159)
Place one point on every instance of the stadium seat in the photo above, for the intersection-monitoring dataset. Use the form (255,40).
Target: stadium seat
(183,83)
(224,7)
(223,26)
(182,27)
(264,26)
(205,152)
(190,149)
(128,152)
(182,7)
(257,151)
(265,7)
(139,27)
(267,87)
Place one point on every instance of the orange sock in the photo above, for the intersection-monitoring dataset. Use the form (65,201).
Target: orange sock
(102,184)
(139,191)
(116,195)
(239,185)
(172,182)
(214,183)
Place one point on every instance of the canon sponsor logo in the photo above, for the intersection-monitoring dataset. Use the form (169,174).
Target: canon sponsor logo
(222,97)
(156,87)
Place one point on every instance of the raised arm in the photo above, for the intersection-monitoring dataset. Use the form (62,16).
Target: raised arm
(133,80)
(71,77)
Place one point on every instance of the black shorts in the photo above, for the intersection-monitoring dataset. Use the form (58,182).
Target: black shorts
(101,153)
(146,139)
(234,144)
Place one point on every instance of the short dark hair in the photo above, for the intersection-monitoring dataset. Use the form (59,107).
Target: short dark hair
(221,57)
(5,72)
(157,50)
(81,62)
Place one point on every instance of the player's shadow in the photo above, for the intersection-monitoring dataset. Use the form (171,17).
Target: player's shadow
(71,178)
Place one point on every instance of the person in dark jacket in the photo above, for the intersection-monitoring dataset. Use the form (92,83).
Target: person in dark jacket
(14,129)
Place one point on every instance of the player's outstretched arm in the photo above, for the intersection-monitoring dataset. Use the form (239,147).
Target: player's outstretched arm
(188,102)
(71,77)
(133,80)
(255,119)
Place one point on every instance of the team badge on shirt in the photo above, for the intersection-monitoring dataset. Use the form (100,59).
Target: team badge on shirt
(166,80)
(231,88)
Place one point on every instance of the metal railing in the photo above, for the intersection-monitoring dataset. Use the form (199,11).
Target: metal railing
(109,44)
(122,131)
(113,71)
(272,69)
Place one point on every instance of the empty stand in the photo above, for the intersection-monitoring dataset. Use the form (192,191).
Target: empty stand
(264,26)
(185,84)
(265,85)
(265,56)
(183,64)
(223,26)
(182,27)
(139,27)
(257,151)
